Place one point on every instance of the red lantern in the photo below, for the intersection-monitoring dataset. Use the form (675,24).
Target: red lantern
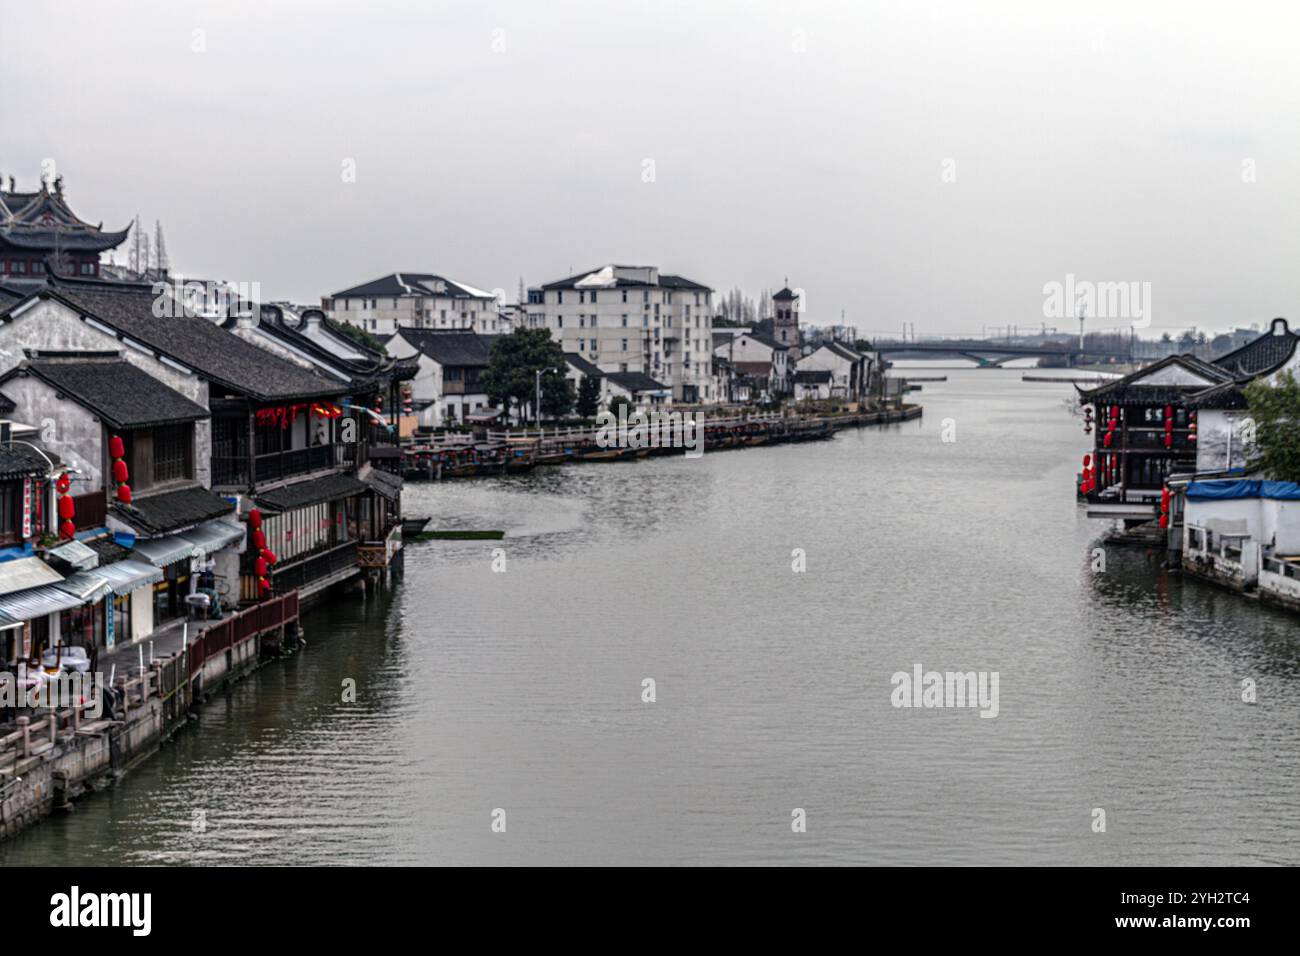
(1087,460)
(270,557)
(120,473)
(255,518)
(115,447)
(259,567)
(259,539)
(66,508)
(68,530)
(124,494)
(1164,521)
(63,484)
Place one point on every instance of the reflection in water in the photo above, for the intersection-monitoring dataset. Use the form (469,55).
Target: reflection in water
(521,690)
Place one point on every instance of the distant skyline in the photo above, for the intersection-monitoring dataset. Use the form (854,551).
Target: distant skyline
(930,163)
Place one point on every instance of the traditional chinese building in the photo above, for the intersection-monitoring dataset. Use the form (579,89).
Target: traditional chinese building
(40,234)
(1179,415)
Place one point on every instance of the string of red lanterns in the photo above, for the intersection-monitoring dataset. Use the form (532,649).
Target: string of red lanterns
(121,475)
(286,415)
(1164,506)
(266,558)
(67,508)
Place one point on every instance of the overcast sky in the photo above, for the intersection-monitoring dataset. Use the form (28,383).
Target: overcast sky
(494,140)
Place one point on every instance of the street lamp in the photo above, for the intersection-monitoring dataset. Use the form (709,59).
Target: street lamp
(537,384)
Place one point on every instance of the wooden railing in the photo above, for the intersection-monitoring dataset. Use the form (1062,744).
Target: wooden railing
(169,679)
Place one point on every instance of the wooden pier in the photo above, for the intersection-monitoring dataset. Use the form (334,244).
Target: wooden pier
(511,452)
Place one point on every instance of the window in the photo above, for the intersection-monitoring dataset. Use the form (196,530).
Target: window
(10,520)
(625,321)
(625,295)
(625,345)
(559,297)
(172,452)
(38,267)
(593,296)
(18,266)
(559,320)
(582,321)
(593,321)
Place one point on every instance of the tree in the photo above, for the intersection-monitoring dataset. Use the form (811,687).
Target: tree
(359,335)
(513,365)
(1275,410)
(617,402)
(588,396)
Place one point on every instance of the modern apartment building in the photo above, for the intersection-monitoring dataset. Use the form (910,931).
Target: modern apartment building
(416,300)
(634,319)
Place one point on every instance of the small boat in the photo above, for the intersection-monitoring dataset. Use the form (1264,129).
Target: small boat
(413,525)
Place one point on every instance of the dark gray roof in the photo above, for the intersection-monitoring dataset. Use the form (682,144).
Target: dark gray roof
(19,461)
(213,352)
(665,282)
(114,389)
(1129,387)
(1263,354)
(785,295)
(843,351)
(451,347)
(634,381)
(385,483)
(172,510)
(582,365)
(304,493)
(408,283)
(766,339)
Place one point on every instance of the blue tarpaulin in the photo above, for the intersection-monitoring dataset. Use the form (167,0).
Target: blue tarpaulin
(1224,489)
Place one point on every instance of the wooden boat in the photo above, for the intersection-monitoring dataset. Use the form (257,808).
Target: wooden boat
(413,525)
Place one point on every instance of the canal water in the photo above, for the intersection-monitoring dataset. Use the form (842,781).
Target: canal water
(521,690)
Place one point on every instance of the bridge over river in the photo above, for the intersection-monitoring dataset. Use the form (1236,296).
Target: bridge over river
(990,354)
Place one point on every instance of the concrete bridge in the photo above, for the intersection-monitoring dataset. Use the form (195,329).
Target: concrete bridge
(988,354)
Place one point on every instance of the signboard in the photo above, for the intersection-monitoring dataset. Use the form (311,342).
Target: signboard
(27,508)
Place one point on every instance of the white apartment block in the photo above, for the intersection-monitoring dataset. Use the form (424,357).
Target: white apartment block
(634,319)
(414,300)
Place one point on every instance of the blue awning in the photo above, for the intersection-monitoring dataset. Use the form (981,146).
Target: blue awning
(1228,488)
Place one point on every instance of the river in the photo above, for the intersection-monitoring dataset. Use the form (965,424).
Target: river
(521,689)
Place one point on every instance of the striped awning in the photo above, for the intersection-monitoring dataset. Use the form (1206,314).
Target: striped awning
(84,586)
(22,574)
(161,552)
(37,602)
(123,577)
(213,536)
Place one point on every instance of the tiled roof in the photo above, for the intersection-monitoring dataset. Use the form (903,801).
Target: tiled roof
(385,483)
(172,510)
(413,283)
(785,295)
(1117,389)
(121,394)
(451,347)
(213,352)
(304,493)
(1264,354)
(42,221)
(634,381)
(582,365)
(665,282)
(19,461)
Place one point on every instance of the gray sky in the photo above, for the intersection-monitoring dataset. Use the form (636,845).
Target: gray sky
(494,140)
